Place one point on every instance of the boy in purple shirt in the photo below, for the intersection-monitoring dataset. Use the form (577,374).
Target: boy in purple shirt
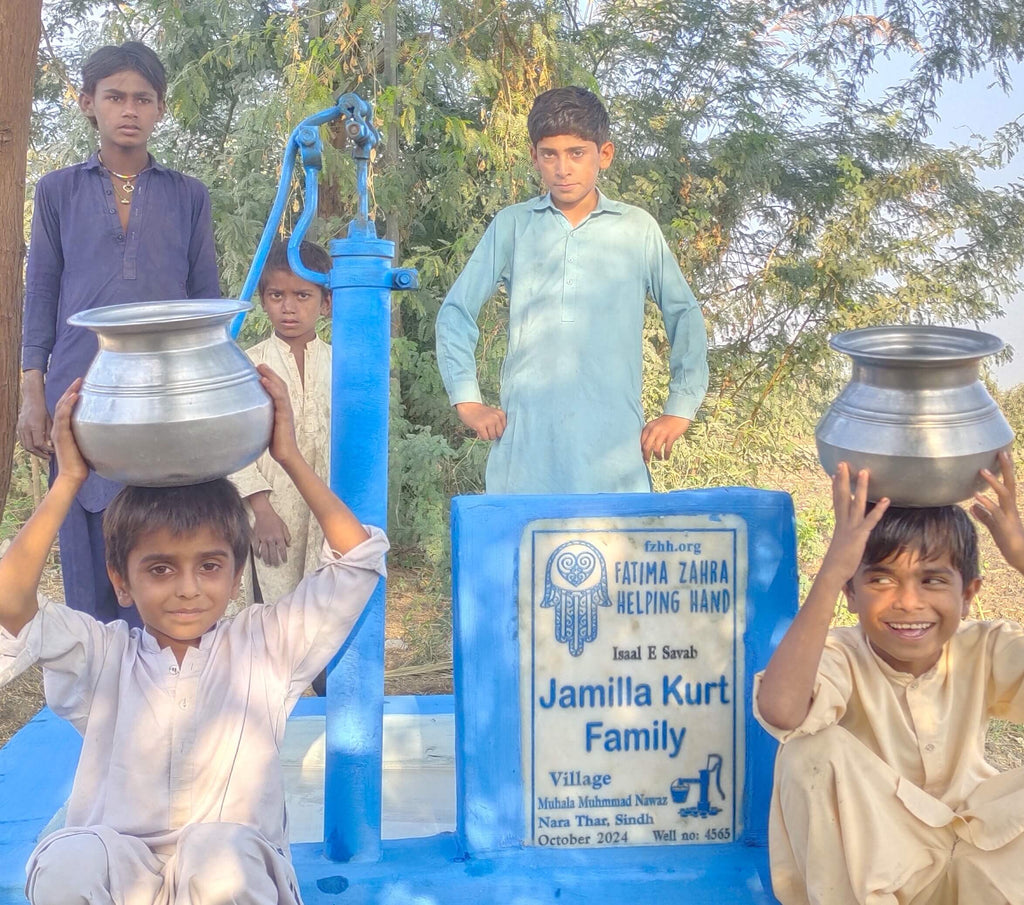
(118,228)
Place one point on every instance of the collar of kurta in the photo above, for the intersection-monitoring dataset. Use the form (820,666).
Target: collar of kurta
(93,163)
(605,205)
(149,643)
(906,678)
(283,344)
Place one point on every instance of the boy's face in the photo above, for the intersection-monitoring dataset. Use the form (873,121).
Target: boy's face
(569,166)
(126,109)
(909,608)
(181,584)
(293,305)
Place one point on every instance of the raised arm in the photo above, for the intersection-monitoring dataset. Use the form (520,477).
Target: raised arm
(784,699)
(22,565)
(341,528)
(1001,515)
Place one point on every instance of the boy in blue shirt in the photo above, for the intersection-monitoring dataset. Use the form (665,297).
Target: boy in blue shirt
(578,268)
(118,228)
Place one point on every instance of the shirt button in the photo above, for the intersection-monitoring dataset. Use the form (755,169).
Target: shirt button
(183,704)
(174,670)
(929,747)
(913,685)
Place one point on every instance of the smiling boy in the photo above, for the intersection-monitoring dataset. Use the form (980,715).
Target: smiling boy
(118,228)
(178,794)
(577,267)
(882,792)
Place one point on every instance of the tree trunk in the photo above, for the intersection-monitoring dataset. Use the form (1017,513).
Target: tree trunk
(20,24)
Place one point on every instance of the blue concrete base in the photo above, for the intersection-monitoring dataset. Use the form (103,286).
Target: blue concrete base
(37,768)
(433,871)
(38,764)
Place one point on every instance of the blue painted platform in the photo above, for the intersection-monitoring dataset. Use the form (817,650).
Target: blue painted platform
(37,767)
(483,861)
(433,871)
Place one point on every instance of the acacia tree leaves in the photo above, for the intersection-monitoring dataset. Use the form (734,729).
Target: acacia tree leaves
(798,204)
(801,196)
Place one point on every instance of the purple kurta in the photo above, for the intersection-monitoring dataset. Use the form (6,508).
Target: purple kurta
(80,258)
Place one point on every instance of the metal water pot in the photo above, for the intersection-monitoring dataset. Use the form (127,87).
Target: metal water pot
(915,414)
(169,398)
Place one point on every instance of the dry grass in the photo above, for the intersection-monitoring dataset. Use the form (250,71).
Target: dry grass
(20,700)
(421,619)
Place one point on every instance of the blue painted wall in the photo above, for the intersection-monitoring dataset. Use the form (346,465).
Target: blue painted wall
(486,533)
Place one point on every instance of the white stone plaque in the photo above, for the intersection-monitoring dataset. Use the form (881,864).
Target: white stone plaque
(631,639)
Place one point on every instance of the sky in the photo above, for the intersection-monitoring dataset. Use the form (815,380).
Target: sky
(979,107)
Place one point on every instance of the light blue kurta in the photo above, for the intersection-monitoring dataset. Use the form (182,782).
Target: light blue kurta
(570,383)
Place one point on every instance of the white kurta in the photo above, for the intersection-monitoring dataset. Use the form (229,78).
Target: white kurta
(311,404)
(166,747)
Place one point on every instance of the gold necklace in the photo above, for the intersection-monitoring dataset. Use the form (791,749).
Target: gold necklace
(127,182)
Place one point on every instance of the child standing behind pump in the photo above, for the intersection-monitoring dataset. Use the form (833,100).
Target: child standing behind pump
(286,537)
(179,795)
(882,791)
(578,268)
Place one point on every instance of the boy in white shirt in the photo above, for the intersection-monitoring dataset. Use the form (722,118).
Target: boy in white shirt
(178,796)
(286,538)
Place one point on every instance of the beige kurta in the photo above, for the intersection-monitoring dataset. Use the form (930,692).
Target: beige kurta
(167,747)
(311,403)
(883,793)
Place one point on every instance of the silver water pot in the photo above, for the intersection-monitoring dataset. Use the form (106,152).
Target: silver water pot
(169,398)
(915,413)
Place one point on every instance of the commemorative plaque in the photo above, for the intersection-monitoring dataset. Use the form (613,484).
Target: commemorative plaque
(632,686)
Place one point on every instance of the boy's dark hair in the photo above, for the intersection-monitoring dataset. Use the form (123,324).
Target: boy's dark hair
(930,532)
(136,511)
(568,111)
(314,256)
(114,58)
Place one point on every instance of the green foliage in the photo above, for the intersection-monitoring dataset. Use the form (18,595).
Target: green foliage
(798,202)
(21,496)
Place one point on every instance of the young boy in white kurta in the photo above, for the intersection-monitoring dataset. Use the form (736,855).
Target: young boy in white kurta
(286,537)
(178,797)
(882,792)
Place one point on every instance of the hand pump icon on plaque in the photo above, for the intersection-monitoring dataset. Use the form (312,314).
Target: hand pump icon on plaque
(680,790)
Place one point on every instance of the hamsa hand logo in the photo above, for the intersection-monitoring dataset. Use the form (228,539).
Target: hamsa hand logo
(575,584)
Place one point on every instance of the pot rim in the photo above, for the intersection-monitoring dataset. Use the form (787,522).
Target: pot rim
(915,344)
(139,317)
